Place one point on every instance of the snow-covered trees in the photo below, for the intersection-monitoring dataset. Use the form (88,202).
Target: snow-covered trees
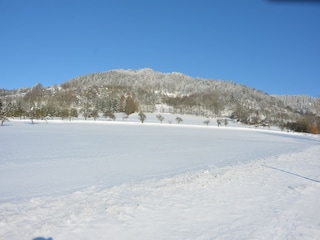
(35,113)
(94,114)
(130,91)
(68,113)
(3,116)
(73,113)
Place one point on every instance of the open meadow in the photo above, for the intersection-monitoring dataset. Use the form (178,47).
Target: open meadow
(127,180)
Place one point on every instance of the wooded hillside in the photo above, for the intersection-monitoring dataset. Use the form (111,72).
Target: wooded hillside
(129,91)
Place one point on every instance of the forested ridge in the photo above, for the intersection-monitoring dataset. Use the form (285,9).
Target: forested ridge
(128,91)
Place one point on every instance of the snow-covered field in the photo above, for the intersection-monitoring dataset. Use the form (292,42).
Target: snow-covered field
(127,180)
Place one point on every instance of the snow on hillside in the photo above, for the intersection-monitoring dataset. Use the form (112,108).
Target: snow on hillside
(127,180)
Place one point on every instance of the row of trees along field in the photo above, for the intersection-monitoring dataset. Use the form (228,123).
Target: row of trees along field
(129,91)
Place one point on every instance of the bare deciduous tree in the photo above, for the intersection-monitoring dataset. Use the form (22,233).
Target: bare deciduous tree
(94,113)
(226,122)
(206,122)
(142,116)
(179,120)
(160,118)
(219,121)
(109,114)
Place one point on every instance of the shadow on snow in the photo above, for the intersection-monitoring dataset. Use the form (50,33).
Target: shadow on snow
(294,174)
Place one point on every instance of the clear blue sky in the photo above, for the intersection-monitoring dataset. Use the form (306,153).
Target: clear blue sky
(270,46)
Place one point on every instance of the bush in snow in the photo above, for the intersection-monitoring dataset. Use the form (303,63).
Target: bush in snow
(142,117)
(179,120)
(160,118)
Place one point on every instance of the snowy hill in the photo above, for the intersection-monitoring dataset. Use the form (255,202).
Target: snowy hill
(129,91)
(178,84)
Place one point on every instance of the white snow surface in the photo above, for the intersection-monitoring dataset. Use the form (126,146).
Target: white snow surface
(127,180)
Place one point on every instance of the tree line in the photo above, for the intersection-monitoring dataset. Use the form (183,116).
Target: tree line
(104,94)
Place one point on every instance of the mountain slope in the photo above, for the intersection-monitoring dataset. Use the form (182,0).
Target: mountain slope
(141,90)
